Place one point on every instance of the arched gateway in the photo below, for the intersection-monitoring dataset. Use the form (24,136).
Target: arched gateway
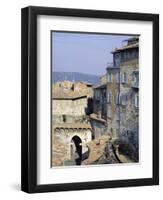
(71,140)
(76,149)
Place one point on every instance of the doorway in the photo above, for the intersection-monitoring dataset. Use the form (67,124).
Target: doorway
(76,149)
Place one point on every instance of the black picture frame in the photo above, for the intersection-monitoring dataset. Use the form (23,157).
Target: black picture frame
(29,99)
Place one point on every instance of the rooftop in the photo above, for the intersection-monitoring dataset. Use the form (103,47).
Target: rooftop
(131,46)
(70,90)
(100,86)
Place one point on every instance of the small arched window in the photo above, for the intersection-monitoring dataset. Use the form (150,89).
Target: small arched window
(64,118)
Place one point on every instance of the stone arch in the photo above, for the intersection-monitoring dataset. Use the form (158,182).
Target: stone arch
(76,149)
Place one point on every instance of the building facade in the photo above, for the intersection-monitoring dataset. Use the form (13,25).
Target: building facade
(71,128)
(129,91)
(119,106)
(113,91)
(98,118)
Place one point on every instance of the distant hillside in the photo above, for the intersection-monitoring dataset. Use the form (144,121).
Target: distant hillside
(75,76)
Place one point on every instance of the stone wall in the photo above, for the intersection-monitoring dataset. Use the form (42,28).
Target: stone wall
(113,90)
(70,121)
(61,119)
(75,107)
(103,79)
(129,123)
(62,144)
(98,128)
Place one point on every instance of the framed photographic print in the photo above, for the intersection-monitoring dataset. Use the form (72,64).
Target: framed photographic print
(90,99)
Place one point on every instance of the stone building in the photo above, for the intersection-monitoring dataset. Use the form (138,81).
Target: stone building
(82,113)
(69,143)
(71,128)
(113,92)
(129,90)
(116,99)
(99,115)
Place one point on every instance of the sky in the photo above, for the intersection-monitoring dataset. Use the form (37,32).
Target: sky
(81,52)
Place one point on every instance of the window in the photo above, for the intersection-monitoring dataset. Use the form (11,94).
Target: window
(64,118)
(117,115)
(104,93)
(124,77)
(117,59)
(136,101)
(97,94)
(109,98)
(109,78)
(118,77)
(135,76)
(124,99)
(122,116)
(109,112)
(128,55)
(124,56)
(118,98)
(133,54)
